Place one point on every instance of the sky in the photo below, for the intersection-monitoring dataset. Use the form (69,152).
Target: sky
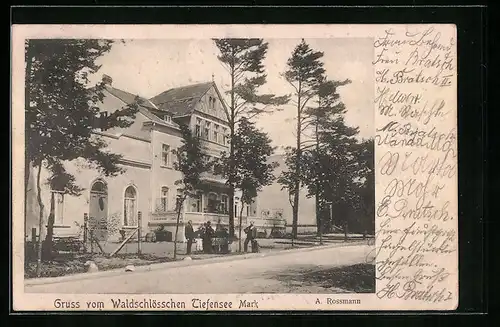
(149,67)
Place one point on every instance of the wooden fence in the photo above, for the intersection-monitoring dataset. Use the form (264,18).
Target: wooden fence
(89,237)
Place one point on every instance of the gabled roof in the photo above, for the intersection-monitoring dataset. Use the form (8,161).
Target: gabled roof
(181,100)
(144,104)
(130,98)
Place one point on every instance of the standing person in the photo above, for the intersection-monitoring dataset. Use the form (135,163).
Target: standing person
(249,231)
(207,241)
(189,232)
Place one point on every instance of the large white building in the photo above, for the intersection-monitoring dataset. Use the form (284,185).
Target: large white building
(148,184)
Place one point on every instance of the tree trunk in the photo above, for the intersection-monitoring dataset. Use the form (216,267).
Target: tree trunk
(232,126)
(179,209)
(48,244)
(26,152)
(26,185)
(296,191)
(316,195)
(231,199)
(40,222)
(241,218)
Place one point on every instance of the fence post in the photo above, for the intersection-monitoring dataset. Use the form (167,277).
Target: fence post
(91,231)
(85,227)
(33,235)
(139,227)
(34,243)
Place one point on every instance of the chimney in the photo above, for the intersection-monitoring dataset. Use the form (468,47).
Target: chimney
(106,79)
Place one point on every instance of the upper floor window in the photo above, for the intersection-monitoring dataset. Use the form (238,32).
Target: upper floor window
(224,136)
(216,133)
(206,132)
(211,103)
(198,127)
(103,119)
(167,118)
(165,155)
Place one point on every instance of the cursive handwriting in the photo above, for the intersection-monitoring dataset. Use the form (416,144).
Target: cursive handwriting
(416,164)
(396,134)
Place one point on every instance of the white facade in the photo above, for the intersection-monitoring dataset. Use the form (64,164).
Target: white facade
(148,183)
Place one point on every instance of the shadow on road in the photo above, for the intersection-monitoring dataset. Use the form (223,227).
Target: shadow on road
(359,278)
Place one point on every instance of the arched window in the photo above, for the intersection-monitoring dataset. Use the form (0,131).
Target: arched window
(130,207)
(164,199)
(99,187)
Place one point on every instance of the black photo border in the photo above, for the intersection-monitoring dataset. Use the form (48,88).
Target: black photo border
(471,22)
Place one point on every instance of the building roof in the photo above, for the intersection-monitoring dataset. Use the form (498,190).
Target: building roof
(144,104)
(181,100)
(130,98)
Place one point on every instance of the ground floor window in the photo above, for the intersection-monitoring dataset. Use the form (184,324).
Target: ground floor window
(130,207)
(212,204)
(224,204)
(195,203)
(58,207)
(164,199)
(178,198)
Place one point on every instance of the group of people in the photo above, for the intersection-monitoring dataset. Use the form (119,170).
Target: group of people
(207,235)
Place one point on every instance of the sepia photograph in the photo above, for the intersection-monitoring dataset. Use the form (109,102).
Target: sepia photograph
(204,166)
(234,167)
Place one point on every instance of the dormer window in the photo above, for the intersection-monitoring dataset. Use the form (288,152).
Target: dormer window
(167,118)
(103,120)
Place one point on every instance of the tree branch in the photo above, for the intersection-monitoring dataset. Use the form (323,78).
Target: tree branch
(304,127)
(237,77)
(306,100)
(293,85)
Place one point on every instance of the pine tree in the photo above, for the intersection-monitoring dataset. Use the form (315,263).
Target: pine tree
(304,73)
(327,107)
(336,169)
(243,59)
(191,162)
(364,201)
(62,113)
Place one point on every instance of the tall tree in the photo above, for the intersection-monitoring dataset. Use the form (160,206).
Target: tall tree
(335,168)
(365,187)
(327,106)
(62,113)
(304,73)
(253,169)
(191,162)
(243,60)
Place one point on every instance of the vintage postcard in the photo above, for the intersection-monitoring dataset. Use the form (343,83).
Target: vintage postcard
(234,167)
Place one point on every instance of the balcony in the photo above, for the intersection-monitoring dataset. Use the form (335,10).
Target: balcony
(212,178)
(168,218)
(198,218)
